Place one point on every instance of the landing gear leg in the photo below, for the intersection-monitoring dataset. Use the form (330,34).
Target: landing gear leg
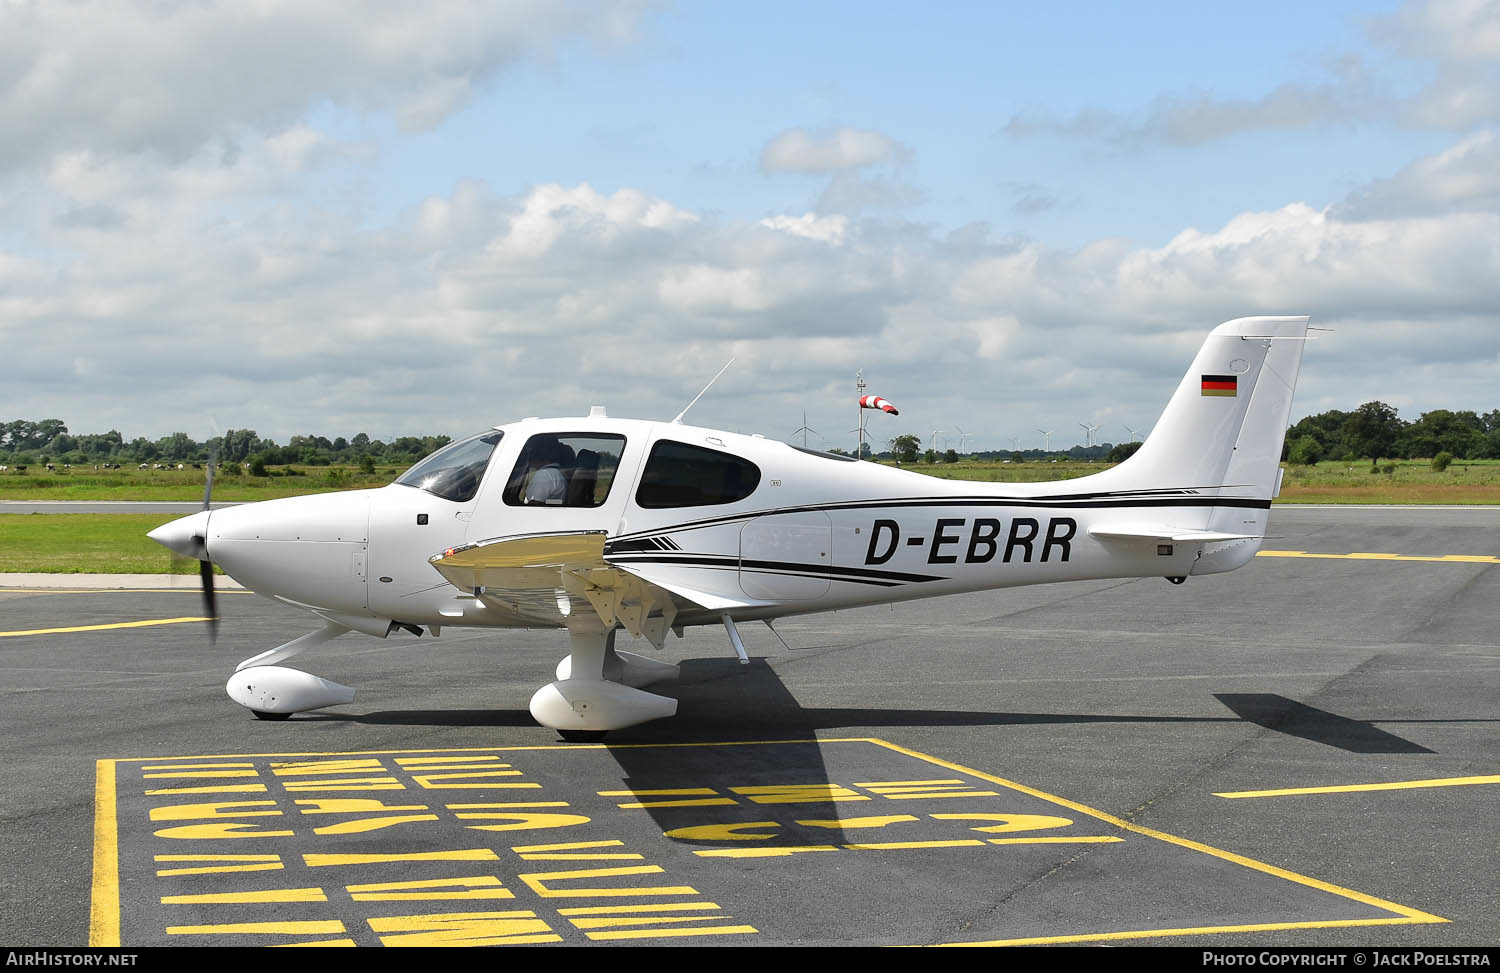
(586,698)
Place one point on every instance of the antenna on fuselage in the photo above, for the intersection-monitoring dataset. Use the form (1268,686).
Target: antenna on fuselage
(705,389)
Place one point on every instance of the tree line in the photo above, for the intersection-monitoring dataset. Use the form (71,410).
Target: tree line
(44,441)
(1372,431)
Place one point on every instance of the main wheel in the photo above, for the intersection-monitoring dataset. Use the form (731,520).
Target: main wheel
(261,714)
(582,736)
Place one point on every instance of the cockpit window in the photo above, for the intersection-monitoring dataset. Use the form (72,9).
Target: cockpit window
(567,469)
(680,475)
(454,471)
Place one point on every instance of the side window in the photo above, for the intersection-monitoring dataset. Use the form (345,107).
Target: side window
(679,475)
(564,470)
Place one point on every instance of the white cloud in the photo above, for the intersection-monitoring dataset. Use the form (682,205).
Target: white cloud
(151,296)
(1464,177)
(130,76)
(796,150)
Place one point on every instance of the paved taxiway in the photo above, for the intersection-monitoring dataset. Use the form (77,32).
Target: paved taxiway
(1125,709)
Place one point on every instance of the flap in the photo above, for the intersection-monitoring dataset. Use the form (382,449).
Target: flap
(547,577)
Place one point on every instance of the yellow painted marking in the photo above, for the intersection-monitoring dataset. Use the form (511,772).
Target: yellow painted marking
(467,855)
(918,789)
(220,829)
(504,804)
(200,770)
(104,902)
(303,768)
(1196,931)
(347,784)
(567,846)
(780,851)
(522,821)
(723,832)
(218,869)
(657,933)
(607,923)
(1408,914)
(905,845)
(684,797)
(1397,785)
(612,910)
(262,895)
(1363,556)
(256,863)
(435,760)
(582,856)
(472,887)
(363,825)
(100,628)
(305,927)
(352,805)
(318,942)
(210,789)
(798,793)
(538,883)
(1010,822)
(874,822)
(464,929)
(218,809)
(475,778)
(1099,839)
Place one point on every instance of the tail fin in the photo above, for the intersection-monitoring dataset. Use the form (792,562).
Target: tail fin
(1221,433)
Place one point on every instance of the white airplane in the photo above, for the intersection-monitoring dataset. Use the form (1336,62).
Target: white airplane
(598,524)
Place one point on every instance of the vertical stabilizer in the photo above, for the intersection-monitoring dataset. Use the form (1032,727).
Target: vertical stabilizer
(1222,431)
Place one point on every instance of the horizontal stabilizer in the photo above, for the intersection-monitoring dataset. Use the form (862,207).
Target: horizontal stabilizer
(1164,534)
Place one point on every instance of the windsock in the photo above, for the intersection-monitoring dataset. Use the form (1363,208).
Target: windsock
(876,402)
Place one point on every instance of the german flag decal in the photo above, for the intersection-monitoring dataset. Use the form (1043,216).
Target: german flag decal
(1221,385)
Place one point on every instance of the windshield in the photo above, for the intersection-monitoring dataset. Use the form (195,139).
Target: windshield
(454,471)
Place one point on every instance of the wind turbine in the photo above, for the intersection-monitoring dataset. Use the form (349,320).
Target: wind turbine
(1135,437)
(1015,444)
(805,429)
(935,438)
(1046,440)
(962,436)
(1088,433)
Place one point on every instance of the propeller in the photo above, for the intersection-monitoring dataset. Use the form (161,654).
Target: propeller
(205,566)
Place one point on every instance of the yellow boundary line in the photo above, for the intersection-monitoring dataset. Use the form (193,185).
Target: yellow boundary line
(1404,913)
(105,912)
(100,628)
(1364,556)
(1397,785)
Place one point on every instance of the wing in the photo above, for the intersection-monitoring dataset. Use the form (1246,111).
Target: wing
(545,578)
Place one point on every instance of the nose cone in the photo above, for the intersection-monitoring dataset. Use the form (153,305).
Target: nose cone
(186,535)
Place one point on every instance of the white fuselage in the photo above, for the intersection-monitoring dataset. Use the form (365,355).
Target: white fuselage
(815,533)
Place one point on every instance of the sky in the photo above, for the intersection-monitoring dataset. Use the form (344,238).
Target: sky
(410,219)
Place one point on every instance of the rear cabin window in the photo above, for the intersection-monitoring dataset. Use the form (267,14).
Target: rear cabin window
(679,475)
(564,470)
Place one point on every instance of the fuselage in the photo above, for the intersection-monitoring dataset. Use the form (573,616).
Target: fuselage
(777,529)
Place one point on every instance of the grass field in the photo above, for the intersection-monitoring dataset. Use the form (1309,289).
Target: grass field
(86,544)
(117,543)
(168,485)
